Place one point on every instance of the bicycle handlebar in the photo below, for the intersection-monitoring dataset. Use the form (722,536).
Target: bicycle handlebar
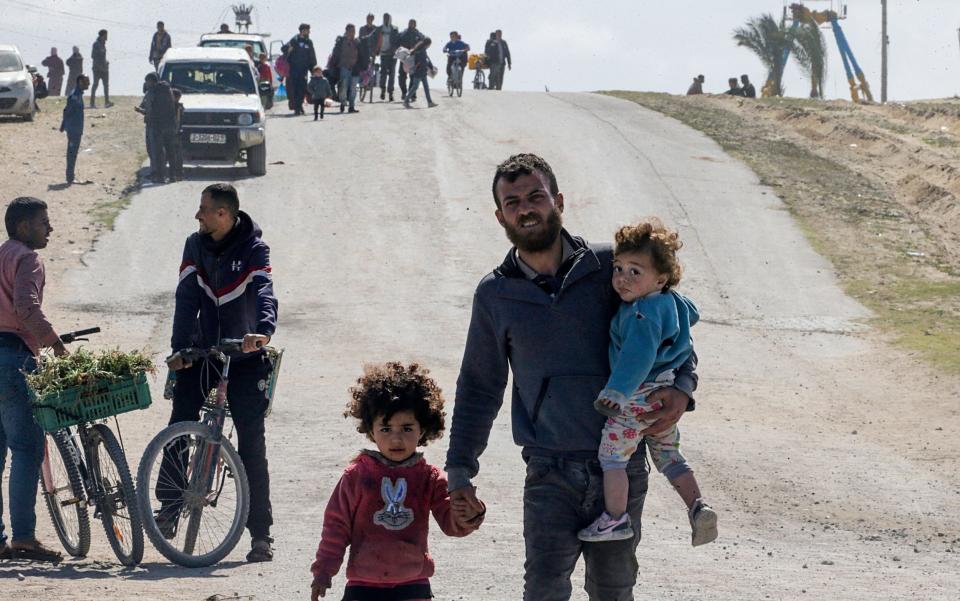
(227,345)
(75,336)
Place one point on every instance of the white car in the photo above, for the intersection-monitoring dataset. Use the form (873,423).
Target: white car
(223,118)
(16,85)
(258,41)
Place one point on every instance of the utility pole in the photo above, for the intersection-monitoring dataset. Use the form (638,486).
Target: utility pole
(883,55)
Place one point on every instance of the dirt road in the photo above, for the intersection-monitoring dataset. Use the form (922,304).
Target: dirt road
(831,458)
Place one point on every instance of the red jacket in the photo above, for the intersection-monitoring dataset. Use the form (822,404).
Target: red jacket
(381,509)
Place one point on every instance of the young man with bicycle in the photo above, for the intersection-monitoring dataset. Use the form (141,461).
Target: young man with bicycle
(24,330)
(226,291)
(456,50)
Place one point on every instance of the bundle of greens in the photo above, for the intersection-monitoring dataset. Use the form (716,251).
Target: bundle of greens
(84,368)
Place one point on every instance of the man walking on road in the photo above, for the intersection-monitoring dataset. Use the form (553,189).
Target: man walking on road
(101,70)
(24,330)
(408,39)
(72,124)
(55,69)
(388,40)
(226,291)
(302,58)
(498,55)
(346,58)
(545,313)
(159,45)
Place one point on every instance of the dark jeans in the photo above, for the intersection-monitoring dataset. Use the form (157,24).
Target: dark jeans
(20,433)
(318,107)
(164,152)
(402,81)
(388,72)
(98,76)
(560,497)
(248,403)
(296,90)
(73,147)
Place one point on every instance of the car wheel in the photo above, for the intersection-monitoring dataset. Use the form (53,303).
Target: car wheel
(29,116)
(257,159)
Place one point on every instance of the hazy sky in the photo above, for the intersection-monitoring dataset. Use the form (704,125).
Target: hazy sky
(571,45)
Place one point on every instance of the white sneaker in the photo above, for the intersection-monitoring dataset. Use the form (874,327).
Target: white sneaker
(605,528)
(703,523)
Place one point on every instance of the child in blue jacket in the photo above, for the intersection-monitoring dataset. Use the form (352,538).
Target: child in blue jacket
(649,340)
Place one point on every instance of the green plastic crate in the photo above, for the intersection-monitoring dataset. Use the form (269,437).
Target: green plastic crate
(91,403)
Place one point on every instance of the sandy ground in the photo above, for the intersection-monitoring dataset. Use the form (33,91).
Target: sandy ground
(875,189)
(831,457)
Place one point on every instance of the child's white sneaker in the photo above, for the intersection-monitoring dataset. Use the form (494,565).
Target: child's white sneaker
(703,522)
(605,528)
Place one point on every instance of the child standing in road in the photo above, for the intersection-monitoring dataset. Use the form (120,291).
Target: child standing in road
(649,340)
(320,90)
(381,506)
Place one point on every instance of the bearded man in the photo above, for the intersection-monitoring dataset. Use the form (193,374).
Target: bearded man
(545,314)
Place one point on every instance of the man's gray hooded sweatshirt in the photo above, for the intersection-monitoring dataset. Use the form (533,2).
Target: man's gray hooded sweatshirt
(554,335)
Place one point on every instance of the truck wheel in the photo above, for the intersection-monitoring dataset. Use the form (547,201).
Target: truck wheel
(257,159)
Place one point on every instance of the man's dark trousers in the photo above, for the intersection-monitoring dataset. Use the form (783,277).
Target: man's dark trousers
(164,151)
(297,89)
(73,148)
(98,76)
(388,72)
(561,496)
(248,404)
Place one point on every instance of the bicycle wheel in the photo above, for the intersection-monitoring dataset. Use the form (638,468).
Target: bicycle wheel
(63,493)
(118,507)
(174,490)
(460,85)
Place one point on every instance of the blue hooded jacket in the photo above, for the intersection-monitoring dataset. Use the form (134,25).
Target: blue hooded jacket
(73,114)
(647,337)
(225,289)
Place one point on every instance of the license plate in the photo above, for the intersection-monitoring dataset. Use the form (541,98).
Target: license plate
(208,138)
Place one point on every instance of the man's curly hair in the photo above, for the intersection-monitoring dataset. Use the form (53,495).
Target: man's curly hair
(523,164)
(390,388)
(660,243)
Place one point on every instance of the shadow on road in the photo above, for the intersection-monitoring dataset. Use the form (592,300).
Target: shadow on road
(71,569)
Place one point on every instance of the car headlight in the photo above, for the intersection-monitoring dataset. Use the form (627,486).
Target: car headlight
(245,119)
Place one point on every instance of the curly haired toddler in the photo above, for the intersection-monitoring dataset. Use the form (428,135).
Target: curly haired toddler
(649,340)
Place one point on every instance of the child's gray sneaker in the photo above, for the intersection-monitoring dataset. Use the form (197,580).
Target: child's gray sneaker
(703,522)
(605,528)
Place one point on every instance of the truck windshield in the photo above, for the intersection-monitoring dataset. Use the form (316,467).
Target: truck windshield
(210,78)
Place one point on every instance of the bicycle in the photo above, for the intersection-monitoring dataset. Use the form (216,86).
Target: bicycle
(90,469)
(190,473)
(455,81)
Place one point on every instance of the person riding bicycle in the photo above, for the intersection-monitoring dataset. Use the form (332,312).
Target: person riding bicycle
(226,291)
(456,50)
(24,330)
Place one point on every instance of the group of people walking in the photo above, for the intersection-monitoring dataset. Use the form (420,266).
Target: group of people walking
(743,87)
(384,55)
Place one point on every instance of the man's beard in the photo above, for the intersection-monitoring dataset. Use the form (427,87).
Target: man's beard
(537,240)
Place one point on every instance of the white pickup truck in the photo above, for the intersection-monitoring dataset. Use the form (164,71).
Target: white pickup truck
(223,118)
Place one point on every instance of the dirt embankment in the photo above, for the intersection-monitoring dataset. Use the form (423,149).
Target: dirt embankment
(876,188)
(35,165)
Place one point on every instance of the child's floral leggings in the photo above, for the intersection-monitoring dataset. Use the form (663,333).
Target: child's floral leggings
(621,435)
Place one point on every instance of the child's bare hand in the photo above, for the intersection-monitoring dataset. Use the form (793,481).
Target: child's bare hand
(317,591)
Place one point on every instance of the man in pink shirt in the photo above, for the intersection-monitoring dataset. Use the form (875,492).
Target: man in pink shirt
(24,330)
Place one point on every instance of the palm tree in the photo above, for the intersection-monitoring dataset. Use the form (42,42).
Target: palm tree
(811,53)
(771,41)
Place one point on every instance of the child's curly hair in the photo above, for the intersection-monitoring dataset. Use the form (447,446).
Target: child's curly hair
(390,388)
(656,240)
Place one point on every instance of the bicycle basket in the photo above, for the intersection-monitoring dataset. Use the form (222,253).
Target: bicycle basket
(96,401)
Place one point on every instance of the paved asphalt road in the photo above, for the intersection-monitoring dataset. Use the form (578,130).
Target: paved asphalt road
(382,223)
